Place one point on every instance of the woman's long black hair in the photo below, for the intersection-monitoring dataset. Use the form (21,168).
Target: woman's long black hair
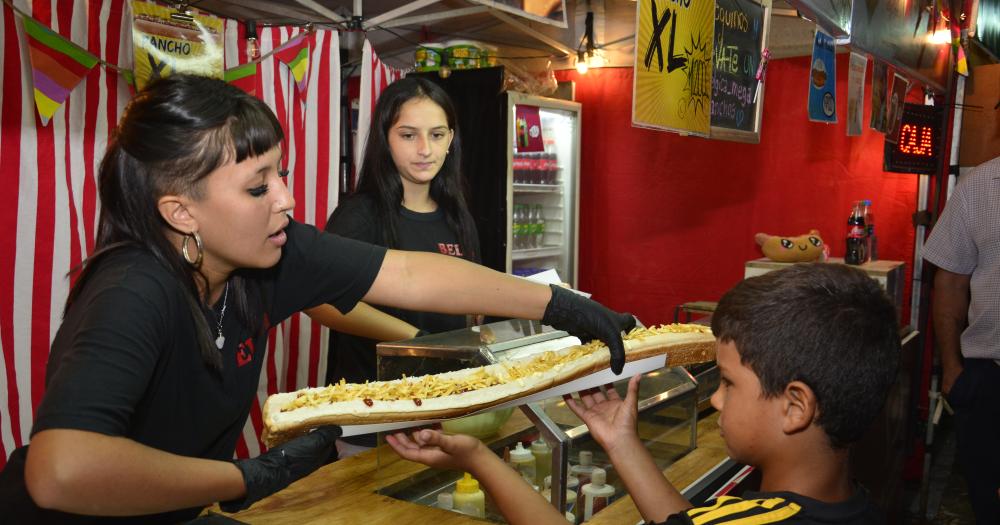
(172,135)
(380,179)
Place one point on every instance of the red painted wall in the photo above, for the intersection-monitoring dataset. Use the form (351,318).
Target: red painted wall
(666,219)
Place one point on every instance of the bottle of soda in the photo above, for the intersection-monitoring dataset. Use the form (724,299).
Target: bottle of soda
(856,236)
(535,161)
(516,228)
(538,226)
(553,168)
(872,246)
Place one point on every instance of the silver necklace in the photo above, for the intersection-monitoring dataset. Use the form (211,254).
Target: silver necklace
(221,340)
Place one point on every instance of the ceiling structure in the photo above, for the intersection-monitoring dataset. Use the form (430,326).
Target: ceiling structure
(395,27)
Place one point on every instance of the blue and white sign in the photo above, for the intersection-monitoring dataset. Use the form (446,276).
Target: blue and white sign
(823,80)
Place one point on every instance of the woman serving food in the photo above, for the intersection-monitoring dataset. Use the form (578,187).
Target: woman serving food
(154,369)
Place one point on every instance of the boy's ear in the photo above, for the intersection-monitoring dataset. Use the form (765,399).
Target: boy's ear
(173,209)
(800,408)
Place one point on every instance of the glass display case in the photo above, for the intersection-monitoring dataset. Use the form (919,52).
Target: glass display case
(668,400)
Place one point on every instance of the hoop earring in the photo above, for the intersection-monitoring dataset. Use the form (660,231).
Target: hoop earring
(197,242)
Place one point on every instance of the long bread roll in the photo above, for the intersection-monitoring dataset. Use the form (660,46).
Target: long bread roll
(455,394)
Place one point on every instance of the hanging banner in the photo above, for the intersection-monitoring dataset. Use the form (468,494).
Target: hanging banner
(164,45)
(295,55)
(900,85)
(57,66)
(243,77)
(672,74)
(856,93)
(879,94)
(823,80)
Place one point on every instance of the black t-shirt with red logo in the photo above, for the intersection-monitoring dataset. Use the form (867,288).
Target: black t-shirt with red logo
(125,361)
(351,357)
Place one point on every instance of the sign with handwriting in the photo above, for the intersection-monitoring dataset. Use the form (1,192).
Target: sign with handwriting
(737,95)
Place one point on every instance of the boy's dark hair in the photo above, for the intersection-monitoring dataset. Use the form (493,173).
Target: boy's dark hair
(827,325)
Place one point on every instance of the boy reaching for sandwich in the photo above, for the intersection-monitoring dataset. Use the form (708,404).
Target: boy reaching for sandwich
(806,354)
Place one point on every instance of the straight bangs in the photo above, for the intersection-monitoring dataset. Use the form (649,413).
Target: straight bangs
(253,130)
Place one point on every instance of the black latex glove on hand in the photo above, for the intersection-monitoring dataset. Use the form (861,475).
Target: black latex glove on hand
(589,320)
(280,466)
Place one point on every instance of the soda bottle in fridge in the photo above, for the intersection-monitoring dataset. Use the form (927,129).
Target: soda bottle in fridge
(518,227)
(857,237)
(538,226)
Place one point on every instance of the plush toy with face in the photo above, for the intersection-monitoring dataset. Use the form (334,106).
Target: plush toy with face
(804,248)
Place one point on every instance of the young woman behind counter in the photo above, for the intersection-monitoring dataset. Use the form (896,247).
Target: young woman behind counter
(153,371)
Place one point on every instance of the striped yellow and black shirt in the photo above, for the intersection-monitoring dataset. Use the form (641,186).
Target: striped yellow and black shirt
(759,508)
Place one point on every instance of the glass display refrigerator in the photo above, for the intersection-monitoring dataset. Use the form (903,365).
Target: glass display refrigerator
(522,174)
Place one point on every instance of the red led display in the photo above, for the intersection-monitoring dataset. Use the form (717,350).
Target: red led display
(917,150)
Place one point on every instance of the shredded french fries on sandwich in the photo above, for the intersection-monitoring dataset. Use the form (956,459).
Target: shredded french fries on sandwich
(434,386)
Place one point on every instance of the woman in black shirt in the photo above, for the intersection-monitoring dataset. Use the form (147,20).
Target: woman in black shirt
(154,369)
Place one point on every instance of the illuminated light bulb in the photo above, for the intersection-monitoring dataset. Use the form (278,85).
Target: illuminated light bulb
(581,66)
(253,50)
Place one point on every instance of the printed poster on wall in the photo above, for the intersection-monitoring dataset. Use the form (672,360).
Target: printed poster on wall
(900,85)
(856,93)
(163,45)
(879,92)
(823,80)
(528,129)
(672,77)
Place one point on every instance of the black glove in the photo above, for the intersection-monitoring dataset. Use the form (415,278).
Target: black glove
(589,320)
(280,466)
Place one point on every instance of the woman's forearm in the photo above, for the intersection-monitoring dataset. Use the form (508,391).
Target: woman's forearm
(431,282)
(363,321)
(89,473)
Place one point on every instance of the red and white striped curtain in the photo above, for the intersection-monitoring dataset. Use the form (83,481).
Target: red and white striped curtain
(375,76)
(49,207)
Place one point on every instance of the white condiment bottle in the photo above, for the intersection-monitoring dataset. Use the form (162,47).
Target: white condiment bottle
(583,469)
(522,461)
(445,501)
(468,498)
(596,494)
(543,460)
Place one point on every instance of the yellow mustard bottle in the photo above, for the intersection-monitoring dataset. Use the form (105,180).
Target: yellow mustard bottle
(468,499)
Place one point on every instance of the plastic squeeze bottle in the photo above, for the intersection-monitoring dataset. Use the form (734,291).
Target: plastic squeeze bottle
(543,460)
(468,498)
(583,469)
(596,494)
(523,461)
(445,501)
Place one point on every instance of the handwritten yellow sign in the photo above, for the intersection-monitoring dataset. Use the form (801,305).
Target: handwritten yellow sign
(672,77)
(163,45)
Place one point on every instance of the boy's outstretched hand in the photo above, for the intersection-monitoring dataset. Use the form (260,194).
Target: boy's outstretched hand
(432,448)
(611,420)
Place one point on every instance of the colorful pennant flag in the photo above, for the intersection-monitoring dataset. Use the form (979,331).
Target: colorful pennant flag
(295,54)
(244,77)
(57,66)
(961,63)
